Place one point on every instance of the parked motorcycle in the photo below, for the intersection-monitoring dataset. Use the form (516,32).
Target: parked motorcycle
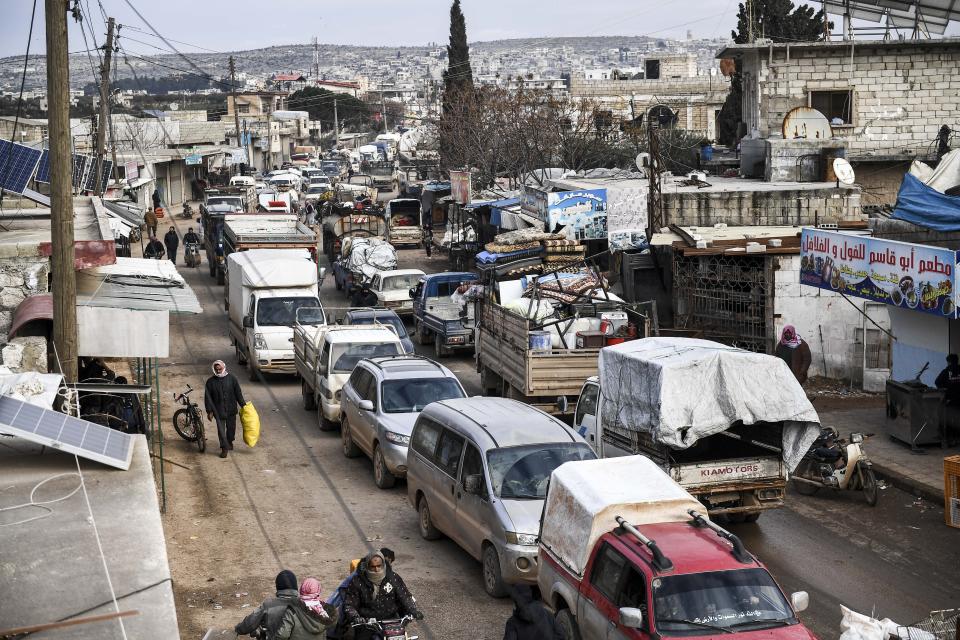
(191,254)
(837,463)
(187,211)
(389,629)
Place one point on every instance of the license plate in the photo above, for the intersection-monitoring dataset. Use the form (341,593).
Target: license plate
(456,340)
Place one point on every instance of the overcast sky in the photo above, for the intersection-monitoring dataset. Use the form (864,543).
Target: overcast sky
(230,25)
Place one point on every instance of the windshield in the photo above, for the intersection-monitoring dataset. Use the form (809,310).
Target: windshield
(317,190)
(691,604)
(233,202)
(402,283)
(407,396)
(282,312)
(522,473)
(391,319)
(345,356)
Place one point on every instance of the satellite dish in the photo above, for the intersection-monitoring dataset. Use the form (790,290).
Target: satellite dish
(643,161)
(174,106)
(844,171)
(806,123)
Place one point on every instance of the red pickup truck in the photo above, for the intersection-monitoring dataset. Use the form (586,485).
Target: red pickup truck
(661,569)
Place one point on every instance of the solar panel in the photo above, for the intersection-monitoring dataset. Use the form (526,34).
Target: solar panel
(43,169)
(934,15)
(88,184)
(60,431)
(80,164)
(17,165)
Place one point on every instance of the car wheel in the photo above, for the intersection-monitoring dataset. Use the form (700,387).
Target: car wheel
(438,346)
(350,449)
(423,336)
(492,577)
(567,625)
(309,400)
(251,371)
(427,530)
(241,359)
(323,423)
(382,475)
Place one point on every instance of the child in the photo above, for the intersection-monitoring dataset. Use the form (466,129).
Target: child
(310,596)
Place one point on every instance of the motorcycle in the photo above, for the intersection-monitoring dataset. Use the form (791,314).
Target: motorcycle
(389,629)
(837,463)
(187,211)
(191,254)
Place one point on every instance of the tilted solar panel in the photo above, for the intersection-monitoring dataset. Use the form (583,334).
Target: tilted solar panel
(17,165)
(88,184)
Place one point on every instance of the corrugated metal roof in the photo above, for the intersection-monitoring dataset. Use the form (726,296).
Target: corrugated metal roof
(137,283)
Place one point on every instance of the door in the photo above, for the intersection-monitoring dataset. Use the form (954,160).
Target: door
(473,511)
(876,347)
(250,332)
(366,423)
(632,593)
(597,612)
(350,399)
(447,469)
(585,418)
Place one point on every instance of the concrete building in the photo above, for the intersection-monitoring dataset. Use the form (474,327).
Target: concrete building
(256,103)
(28,129)
(892,97)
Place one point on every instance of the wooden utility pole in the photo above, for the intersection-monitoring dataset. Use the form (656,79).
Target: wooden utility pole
(336,125)
(236,109)
(61,190)
(104,107)
(383,109)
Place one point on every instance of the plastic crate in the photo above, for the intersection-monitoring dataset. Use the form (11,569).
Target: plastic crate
(951,490)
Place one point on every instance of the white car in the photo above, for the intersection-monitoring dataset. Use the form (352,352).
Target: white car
(392,289)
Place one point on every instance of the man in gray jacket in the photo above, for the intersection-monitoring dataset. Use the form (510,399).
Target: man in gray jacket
(286,617)
(222,398)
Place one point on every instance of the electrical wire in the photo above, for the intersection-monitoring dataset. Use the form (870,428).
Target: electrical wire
(16,119)
(40,504)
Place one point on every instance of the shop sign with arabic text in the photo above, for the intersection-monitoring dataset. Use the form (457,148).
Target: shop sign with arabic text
(912,276)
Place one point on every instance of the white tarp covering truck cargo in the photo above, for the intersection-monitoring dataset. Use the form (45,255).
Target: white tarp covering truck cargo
(727,424)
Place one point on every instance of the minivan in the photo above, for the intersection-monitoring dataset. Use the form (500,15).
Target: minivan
(477,471)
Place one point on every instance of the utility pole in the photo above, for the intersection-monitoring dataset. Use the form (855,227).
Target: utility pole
(749,21)
(104,106)
(383,110)
(233,92)
(654,202)
(336,125)
(316,60)
(61,193)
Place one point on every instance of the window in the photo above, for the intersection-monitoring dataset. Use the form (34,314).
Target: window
(282,312)
(651,69)
(522,473)
(606,572)
(347,355)
(587,406)
(836,105)
(243,108)
(473,466)
(355,380)
(425,435)
(448,453)
(633,590)
(411,395)
(366,385)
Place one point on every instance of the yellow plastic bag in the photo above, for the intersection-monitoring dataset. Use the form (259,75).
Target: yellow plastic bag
(250,421)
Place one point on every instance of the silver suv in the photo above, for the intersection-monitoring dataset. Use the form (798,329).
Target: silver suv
(380,403)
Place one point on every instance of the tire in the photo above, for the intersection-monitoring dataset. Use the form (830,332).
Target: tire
(241,358)
(752,517)
(184,425)
(425,524)
(438,346)
(309,400)
(323,423)
(567,625)
(492,577)
(251,372)
(350,449)
(381,475)
(805,489)
(423,337)
(871,489)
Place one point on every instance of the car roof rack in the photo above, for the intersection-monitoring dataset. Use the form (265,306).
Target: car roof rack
(660,561)
(738,550)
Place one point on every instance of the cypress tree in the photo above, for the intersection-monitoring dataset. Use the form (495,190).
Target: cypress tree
(458,77)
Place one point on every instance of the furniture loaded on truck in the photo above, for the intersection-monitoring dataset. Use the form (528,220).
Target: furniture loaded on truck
(266,289)
(278,231)
(625,553)
(727,424)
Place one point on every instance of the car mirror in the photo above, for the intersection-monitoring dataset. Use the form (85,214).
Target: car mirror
(472,484)
(322,274)
(248,322)
(365,405)
(631,617)
(413,292)
(562,404)
(800,601)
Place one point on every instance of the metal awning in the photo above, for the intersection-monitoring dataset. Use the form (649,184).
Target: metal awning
(138,284)
(38,307)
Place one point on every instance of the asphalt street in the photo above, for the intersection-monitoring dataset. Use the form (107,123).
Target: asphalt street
(294,501)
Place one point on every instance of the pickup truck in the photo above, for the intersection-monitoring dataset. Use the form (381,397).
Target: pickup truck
(439,319)
(211,221)
(751,428)
(626,554)
(386,176)
(242,198)
(280,231)
(341,221)
(404,220)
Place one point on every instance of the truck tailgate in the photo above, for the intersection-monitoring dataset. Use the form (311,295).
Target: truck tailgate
(728,472)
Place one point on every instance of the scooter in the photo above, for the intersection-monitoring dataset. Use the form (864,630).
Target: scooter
(389,629)
(187,211)
(836,463)
(191,254)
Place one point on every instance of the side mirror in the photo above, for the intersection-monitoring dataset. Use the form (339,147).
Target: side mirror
(365,405)
(413,293)
(248,322)
(631,617)
(472,484)
(562,404)
(322,274)
(800,601)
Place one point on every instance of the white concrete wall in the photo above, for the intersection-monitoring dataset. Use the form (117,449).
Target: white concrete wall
(811,310)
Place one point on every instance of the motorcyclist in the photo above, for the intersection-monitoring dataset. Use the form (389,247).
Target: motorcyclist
(376,593)
(285,616)
(154,249)
(190,237)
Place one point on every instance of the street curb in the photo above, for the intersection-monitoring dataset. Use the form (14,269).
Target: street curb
(910,485)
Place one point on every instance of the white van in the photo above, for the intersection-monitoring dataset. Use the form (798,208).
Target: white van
(242,181)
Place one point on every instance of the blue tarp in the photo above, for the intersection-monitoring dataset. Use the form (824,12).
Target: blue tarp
(926,207)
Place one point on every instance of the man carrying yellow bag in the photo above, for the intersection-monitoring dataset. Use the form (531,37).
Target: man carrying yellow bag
(221,397)
(250,421)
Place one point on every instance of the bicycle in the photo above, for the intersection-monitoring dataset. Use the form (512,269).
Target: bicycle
(188,421)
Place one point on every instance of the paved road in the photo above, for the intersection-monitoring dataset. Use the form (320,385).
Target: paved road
(295,501)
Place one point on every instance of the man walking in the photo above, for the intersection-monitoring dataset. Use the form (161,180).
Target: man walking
(173,243)
(150,219)
(222,398)
(156,198)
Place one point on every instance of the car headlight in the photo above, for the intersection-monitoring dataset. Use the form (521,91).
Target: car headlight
(856,438)
(396,438)
(258,341)
(526,539)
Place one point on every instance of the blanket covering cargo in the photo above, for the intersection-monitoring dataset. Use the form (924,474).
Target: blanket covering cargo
(682,389)
(584,499)
(369,256)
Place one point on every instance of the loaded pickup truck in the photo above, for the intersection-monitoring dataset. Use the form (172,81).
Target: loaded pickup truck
(439,319)
(241,197)
(404,220)
(626,554)
(728,425)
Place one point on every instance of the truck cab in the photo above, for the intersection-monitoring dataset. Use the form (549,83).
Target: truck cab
(437,318)
(405,221)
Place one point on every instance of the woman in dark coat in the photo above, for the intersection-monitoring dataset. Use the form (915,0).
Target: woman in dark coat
(795,352)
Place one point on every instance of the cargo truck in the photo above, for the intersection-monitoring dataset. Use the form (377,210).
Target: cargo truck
(278,231)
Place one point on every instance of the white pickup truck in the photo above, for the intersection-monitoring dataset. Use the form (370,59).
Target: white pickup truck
(728,425)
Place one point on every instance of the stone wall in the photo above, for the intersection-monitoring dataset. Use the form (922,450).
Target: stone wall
(766,207)
(19,277)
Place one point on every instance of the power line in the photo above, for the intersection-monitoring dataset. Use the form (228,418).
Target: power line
(23,80)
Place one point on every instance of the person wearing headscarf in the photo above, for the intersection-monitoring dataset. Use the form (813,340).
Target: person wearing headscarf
(284,617)
(376,593)
(530,620)
(310,596)
(795,352)
(222,398)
